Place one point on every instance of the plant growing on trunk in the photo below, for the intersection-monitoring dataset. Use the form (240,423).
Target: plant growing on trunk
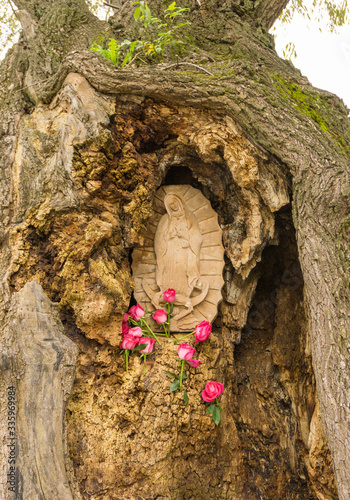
(160,35)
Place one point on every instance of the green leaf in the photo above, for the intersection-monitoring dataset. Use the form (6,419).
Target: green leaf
(139,347)
(216,415)
(172,6)
(184,376)
(174,386)
(147,15)
(133,45)
(171,375)
(186,397)
(113,52)
(137,13)
(210,409)
(126,59)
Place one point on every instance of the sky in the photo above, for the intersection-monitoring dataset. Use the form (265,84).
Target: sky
(323,57)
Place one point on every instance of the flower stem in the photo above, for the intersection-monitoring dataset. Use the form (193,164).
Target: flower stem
(166,332)
(178,340)
(168,320)
(182,371)
(127,359)
(153,334)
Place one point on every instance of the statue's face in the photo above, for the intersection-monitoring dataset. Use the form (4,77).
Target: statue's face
(174,206)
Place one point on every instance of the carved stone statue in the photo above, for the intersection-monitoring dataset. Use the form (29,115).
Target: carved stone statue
(183,251)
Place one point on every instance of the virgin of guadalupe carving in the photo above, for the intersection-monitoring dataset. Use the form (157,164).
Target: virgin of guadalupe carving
(182,250)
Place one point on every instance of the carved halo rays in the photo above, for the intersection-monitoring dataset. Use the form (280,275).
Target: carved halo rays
(211,254)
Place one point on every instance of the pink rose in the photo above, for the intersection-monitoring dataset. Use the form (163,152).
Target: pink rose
(160,316)
(125,329)
(136,312)
(135,331)
(194,362)
(169,295)
(202,331)
(125,318)
(211,391)
(185,351)
(129,341)
(150,343)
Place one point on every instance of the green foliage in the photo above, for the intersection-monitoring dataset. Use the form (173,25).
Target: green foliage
(216,415)
(211,408)
(215,411)
(9,25)
(160,35)
(334,13)
(115,51)
(289,51)
(186,398)
(175,385)
(99,6)
(173,375)
(140,347)
(327,14)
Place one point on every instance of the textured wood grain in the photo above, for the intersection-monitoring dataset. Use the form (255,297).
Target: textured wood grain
(39,360)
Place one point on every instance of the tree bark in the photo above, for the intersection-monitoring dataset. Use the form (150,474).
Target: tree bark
(85,145)
(38,363)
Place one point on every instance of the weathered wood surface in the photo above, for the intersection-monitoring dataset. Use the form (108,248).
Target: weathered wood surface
(39,360)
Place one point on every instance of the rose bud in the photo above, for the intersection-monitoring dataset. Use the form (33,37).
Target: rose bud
(125,329)
(211,391)
(160,316)
(150,344)
(125,318)
(135,331)
(185,351)
(202,331)
(194,362)
(136,312)
(169,295)
(129,341)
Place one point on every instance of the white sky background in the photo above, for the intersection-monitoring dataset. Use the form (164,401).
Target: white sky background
(323,57)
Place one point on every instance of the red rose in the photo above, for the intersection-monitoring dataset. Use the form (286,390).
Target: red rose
(202,331)
(129,341)
(160,316)
(194,362)
(150,344)
(125,318)
(185,351)
(135,331)
(136,312)
(211,391)
(169,295)
(125,329)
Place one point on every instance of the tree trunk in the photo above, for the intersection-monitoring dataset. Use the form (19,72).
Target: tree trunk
(85,146)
